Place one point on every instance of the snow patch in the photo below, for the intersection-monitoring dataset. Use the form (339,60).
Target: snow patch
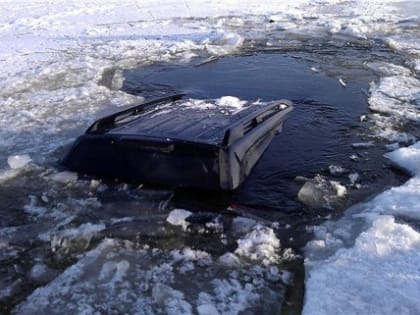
(232,102)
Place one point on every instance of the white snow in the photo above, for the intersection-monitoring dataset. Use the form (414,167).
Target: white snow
(232,102)
(260,244)
(123,277)
(82,230)
(224,104)
(62,64)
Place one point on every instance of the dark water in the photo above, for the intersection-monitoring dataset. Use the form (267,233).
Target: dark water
(318,133)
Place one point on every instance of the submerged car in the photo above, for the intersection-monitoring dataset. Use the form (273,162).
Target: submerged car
(166,141)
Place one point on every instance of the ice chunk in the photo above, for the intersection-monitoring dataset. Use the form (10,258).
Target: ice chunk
(388,69)
(230,101)
(6,175)
(396,95)
(378,268)
(339,188)
(363,145)
(321,193)
(337,170)
(260,244)
(41,273)
(399,201)
(230,104)
(18,161)
(311,195)
(225,43)
(188,256)
(407,159)
(229,259)
(64,177)
(354,157)
(73,240)
(342,82)
(197,104)
(34,210)
(354,177)
(364,118)
(324,240)
(178,216)
(387,127)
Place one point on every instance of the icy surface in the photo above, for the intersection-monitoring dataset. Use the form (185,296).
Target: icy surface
(341,274)
(119,276)
(384,258)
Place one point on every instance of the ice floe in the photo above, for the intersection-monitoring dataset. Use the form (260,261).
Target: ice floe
(345,257)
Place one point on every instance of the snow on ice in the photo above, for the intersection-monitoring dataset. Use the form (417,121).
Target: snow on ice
(379,272)
(120,276)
